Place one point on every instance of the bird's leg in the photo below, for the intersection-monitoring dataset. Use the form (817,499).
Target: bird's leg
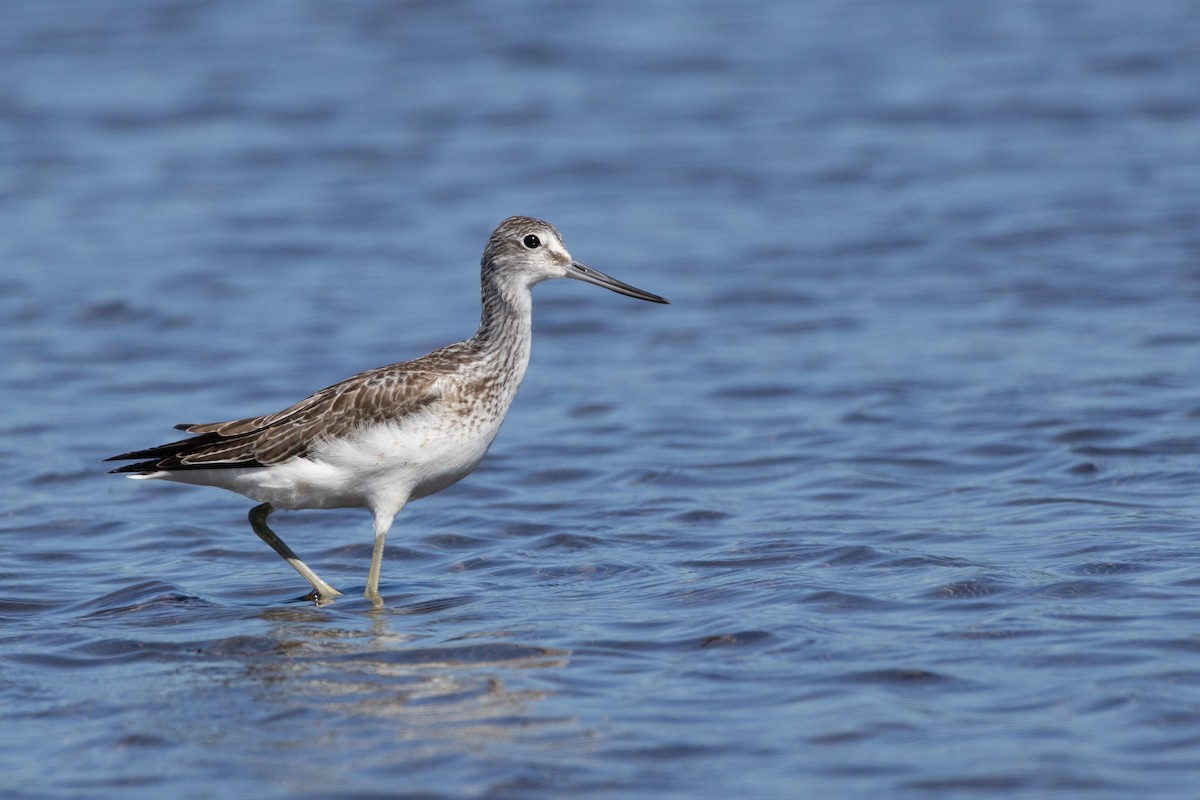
(383,521)
(322,592)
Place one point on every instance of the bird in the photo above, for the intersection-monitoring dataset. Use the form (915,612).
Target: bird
(390,435)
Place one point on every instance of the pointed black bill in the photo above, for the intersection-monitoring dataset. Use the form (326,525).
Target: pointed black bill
(582,272)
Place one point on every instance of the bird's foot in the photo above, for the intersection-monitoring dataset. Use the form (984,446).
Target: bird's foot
(322,598)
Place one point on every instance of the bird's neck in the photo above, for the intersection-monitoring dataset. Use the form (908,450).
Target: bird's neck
(506,326)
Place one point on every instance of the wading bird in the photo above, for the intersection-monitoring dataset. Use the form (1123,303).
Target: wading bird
(393,434)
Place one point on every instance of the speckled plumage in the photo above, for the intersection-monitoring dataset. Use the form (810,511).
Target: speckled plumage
(389,435)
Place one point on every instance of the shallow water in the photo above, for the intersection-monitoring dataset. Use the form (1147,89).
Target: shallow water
(897,499)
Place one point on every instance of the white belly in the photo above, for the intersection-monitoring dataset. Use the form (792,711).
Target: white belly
(382,467)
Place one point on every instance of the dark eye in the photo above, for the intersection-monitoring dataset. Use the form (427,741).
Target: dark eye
(532,242)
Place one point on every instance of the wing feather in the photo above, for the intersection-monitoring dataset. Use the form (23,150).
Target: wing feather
(381,395)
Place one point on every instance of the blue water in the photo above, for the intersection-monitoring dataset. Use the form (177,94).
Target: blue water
(899,498)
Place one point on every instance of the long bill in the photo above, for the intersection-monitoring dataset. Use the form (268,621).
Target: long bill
(582,272)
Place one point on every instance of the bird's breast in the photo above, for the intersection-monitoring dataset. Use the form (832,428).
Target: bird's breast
(421,453)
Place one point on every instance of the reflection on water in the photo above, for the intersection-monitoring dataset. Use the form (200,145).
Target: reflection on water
(448,698)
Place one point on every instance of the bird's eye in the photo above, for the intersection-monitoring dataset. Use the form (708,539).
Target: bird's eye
(532,242)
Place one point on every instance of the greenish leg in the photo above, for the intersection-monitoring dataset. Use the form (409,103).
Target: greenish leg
(383,521)
(322,592)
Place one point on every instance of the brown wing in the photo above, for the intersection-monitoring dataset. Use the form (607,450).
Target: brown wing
(387,393)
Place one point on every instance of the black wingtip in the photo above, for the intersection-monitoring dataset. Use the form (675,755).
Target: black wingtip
(142,467)
(136,454)
(166,451)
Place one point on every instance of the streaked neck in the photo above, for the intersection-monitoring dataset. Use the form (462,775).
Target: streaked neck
(506,324)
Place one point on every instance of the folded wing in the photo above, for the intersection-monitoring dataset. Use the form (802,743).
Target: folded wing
(381,395)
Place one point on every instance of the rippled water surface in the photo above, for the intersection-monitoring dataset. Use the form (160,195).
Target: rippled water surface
(899,497)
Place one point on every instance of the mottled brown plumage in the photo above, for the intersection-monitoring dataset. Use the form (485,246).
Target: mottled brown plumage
(384,394)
